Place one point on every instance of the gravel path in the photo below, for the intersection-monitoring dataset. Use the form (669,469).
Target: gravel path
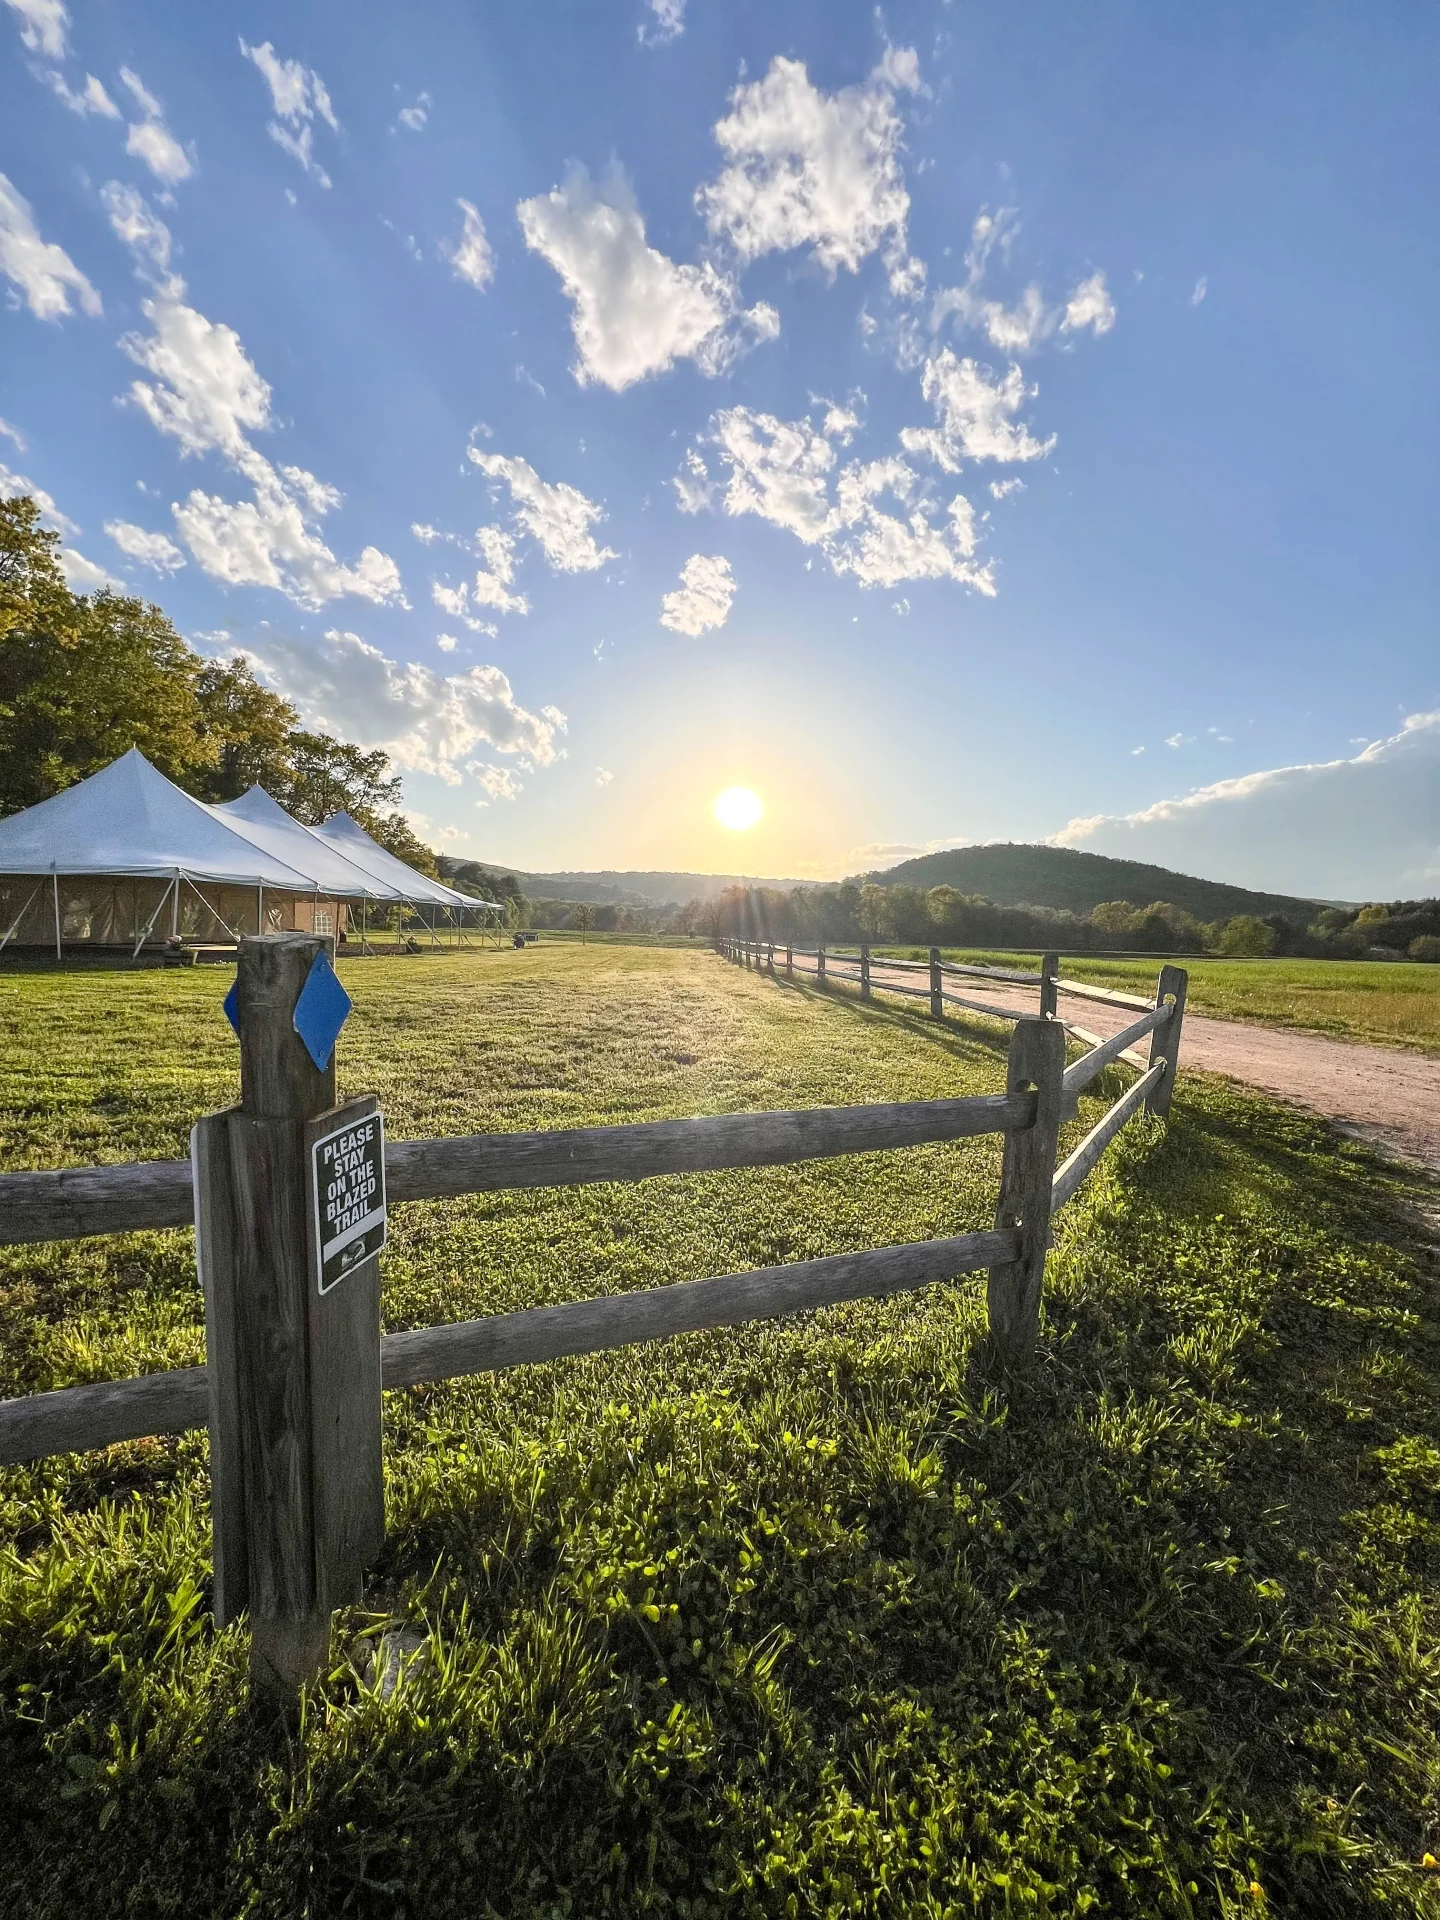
(1389,1098)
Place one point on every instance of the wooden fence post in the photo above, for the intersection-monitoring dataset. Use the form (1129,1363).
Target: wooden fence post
(1165,1041)
(820,966)
(770,959)
(864,970)
(937,986)
(790,962)
(1049,990)
(295,1378)
(1037,1059)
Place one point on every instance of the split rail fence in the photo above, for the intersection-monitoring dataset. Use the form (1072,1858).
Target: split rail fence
(291,1388)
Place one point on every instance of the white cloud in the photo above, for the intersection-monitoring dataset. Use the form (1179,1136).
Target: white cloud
(44,273)
(1361,829)
(810,169)
(1202,287)
(82,575)
(703,598)
(14,435)
(1032,319)
(13,485)
(636,311)
(603,776)
(206,393)
(491,585)
(1178,740)
(149,549)
(1002,489)
(497,783)
(666,23)
(456,602)
(471,256)
(558,517)
(298,95)
(269,541)
(426,720)
(91,98)
(1090,305)
(975,415)
(779,469)
(784,471)
(130,217)
(42,25)
(151,140)
(693,486)
(415,117)
(446,642)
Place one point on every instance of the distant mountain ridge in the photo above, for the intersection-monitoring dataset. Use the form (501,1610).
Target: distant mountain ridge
(632,888)
(1014,874)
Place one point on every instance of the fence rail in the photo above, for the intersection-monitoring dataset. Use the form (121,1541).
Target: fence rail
(297,1514)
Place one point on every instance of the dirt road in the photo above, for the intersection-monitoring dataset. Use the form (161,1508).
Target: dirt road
(1390,1098)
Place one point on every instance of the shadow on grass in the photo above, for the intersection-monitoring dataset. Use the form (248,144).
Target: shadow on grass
(832,1617)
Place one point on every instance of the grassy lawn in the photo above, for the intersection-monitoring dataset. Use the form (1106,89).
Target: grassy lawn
(1394,1004)
(813,1618)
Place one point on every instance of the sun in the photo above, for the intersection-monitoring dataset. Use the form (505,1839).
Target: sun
(737,808)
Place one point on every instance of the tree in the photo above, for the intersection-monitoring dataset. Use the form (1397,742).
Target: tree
(584,919)
(1246,937)
(326,776)
(83,678)
(249,728)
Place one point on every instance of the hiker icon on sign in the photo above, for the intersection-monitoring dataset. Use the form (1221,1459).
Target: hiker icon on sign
(347,1175)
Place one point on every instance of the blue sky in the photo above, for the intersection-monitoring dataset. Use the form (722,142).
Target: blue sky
(952,422)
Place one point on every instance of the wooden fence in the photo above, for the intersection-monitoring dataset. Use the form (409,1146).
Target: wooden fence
(296,1364)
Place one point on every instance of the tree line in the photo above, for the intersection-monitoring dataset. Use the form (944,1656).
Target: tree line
(943,916)
(85,677)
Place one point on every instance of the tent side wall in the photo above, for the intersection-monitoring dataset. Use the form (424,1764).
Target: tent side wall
(104,910)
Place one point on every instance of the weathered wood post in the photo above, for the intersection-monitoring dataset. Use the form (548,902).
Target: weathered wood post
(770,959)
(292,1323)
(1037,1059)
(790,962)
(864,970)
(937,986)
(1049,989)
(820,966)
(1165,1041)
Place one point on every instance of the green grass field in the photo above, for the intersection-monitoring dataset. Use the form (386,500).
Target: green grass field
(814,1618)
(1394,1004)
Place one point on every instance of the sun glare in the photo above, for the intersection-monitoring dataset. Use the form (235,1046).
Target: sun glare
(737,808)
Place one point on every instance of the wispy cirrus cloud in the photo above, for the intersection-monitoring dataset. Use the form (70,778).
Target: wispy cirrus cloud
(299,98)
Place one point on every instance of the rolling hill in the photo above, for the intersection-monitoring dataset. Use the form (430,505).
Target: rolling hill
(1016,875)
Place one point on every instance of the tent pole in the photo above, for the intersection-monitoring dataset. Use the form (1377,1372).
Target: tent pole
(55,883)
(14,926)
(145,930)
(260,906)
(175,907)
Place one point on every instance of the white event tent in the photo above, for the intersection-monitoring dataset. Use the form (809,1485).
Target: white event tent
(127,856)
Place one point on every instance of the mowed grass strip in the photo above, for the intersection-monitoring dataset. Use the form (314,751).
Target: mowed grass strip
(813,1617)
(1387,1003)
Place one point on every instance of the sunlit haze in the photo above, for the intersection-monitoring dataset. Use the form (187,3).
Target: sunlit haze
(950,423)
